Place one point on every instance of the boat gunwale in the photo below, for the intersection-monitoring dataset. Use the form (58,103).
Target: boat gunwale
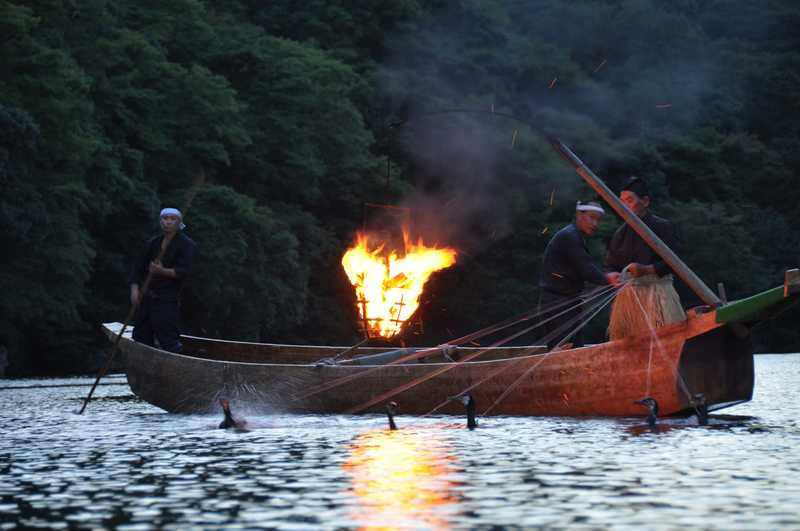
(345,347)
(138,345)
(663,331)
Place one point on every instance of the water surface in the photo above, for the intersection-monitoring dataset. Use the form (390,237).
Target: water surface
(127,464)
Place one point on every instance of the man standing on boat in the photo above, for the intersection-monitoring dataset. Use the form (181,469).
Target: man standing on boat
(566,267)
(166,261)
(649,300)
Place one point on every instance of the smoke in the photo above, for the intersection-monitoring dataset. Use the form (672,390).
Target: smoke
(607,78)
(456,161)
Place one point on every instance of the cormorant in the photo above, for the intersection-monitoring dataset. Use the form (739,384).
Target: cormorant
(391,411)
(700,406)
(652,407)
(229,421)
(469,402)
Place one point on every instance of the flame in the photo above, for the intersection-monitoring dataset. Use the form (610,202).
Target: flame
(387,284)
(401,479)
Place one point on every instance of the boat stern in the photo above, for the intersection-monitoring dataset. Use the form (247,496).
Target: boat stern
(719,365)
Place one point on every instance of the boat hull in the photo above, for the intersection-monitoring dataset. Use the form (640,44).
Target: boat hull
(681,360)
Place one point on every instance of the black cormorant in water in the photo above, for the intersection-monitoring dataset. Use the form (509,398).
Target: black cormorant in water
(391,411)
(701,408)
(229,421)
(652,407)
(469,402)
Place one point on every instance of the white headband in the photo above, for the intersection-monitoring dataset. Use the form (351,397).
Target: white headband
(589,207)
(173,212)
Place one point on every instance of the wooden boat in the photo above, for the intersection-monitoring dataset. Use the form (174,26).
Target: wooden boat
(709,354)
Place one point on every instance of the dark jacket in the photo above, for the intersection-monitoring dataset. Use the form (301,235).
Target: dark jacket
(626,246)
(567,264)
(178,256)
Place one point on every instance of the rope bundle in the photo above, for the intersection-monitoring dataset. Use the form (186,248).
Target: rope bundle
(656,295)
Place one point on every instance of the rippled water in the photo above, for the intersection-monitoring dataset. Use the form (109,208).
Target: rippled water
(126,464)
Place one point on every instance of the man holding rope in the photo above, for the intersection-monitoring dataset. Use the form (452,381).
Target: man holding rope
(567,266)
(158,311)
(649,299)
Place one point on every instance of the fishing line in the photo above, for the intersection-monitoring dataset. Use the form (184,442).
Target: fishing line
(585,322)
(491,375)
(447,367)
(510,388)
(425,352)
(649,369)
(654,338)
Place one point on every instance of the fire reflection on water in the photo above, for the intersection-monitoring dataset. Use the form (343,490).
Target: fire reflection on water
(401,480)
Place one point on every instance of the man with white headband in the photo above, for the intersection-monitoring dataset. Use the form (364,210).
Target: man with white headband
(566,268)
(167,259)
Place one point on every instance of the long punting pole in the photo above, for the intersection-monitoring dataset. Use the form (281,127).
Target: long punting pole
(199,180)
(649,237)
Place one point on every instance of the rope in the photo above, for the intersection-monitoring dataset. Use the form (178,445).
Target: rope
(654,339)
(397,390)
(425,352)
(516,382)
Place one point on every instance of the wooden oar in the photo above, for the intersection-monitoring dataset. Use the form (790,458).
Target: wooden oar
(143,291)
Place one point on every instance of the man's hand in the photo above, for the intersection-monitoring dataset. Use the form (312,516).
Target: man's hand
(157,269)
(613,279)
(637,270)
(136,295)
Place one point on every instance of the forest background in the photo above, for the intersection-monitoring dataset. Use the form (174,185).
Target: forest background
(297,114)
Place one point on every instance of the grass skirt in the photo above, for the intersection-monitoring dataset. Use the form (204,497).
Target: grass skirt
(651,293)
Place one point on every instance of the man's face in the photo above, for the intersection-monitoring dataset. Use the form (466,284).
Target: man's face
(587,222)
(637,204)
(170,223)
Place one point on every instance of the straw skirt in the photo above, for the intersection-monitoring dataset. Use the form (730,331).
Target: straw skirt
(644,303)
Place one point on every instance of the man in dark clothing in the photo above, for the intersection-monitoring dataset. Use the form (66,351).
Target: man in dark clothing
(627,251)
(157,314)
(566,267)
(649,300)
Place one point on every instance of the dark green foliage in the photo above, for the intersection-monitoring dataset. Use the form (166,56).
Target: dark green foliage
(47,252)
(248,277)
(295,114)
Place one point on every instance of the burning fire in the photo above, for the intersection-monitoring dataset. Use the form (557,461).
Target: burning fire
(388,285)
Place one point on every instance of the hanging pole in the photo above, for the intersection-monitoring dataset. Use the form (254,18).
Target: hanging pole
(650,238)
